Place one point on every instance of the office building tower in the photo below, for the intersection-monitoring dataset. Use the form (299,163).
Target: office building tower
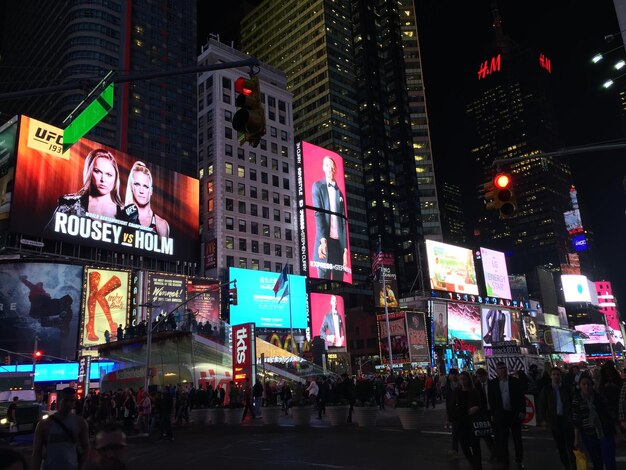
(355,73)
(453,218)
(77,43)
(247,195)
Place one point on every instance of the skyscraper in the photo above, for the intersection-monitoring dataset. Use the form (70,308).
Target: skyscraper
(78,42)
(355,73)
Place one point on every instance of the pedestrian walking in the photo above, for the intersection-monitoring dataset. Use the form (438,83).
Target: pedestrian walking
(452,383)
(465,407)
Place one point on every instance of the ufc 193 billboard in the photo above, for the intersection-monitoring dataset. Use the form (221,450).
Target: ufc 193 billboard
(96,196)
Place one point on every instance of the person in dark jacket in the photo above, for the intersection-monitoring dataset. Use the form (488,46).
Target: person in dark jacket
(465,405)
(451,385)
(555,403)
(508,406)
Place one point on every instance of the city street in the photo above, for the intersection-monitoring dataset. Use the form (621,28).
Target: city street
(254,446)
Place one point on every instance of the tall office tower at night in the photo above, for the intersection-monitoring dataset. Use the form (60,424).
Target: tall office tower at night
(512,117)
(248,195)
(453,218)
(47,44)
(355,73)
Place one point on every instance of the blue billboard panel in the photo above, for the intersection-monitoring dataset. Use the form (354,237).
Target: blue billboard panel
(60,372)
(259,304)
(579,242)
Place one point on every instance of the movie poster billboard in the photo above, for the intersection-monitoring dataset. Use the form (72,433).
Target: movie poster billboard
(463,322)
(529,324)
(385,262)
(40,300)
(105,305)
(496,274)
(451,268)
(167,292)
(203,297)
(96,196)
(8,139)
(322,214)
(399,340)
(328,319)
(418,337)
(440,320)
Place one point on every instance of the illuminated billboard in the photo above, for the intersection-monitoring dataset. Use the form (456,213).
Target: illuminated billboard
(596,333)
(328,319)
(398,337)
(418,338)
(40,300)
(8,138)
(440,319)
(257,303)
(105,305)
(451,268)
(322,214)
(97,196)
(573,222)
(464,321)
(577,288)
(385,261)
(496,325)
(167,292)
(496,273)
(203,296)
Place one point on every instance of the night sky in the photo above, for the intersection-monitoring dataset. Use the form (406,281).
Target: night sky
(455,37)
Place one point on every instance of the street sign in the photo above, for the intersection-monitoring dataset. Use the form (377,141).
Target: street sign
(90,116)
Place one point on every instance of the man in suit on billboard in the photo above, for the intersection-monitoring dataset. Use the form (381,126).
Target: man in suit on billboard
(496,324)
(331,246)
(332,330)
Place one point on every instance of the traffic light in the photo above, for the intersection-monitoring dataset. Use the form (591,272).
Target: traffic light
(7,360)
(232,296)
(249,119)
(499,195)
(38,355)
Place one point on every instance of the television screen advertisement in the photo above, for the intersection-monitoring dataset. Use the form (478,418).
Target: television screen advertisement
(322,214)
(529,324)
(258,303)
(96,196)
(8,140)
(40,300)
(167,292)
(328,319)
(440,320)
(464,322)
(203,299)
(385,261)
(496,274)
(563,341)
(244,353)
(576,288)
(105,304)
(596,334)
(418,337)
(496,325)
(399,339)
(451,268)
(519,287)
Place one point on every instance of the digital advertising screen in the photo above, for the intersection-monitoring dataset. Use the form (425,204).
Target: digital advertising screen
(203,296)
(563,341)
(519,287)
(529,324)
(464,322)
(496,274)
(418,337)
(105,304)
(496,324)
(576,288)
(328,319)
(8,140)
(398,336)
(385,262)
(440,320)
(96,196)
(167,292)
(451,268)
(573,222)
(40,300)
(579,242)
(322,214)
(257,303)
(596,333)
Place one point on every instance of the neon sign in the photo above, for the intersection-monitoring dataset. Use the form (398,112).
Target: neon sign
(489,66)
(545,63)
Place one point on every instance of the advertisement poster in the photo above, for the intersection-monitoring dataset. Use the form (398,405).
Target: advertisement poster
(440,318)
(399,340)
(596,334)
(105,305)
(328,319)
(205,306)
(40,300)
(464,322)
(167,292)
(258,303)
(451,268)
(418,337)
(519,287)
(496,273)
(385,262)
(324,224)
(496,324)
(529,324)
(576,288)
(8,138)
(96,196)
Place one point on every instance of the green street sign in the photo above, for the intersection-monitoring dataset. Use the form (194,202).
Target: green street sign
(90,116)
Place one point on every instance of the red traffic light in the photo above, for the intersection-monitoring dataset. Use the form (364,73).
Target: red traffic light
(243,85)
(38,354)
(502,181)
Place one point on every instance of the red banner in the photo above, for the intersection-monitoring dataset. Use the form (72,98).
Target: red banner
(244,352)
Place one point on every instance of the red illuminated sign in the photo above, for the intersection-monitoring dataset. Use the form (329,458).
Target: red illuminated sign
(545,63)
(489,66)
(244,353)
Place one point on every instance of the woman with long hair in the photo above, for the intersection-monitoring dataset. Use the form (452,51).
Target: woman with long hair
(138,206)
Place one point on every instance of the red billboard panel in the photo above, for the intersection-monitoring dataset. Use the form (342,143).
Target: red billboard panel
(105,305)
(328,319)
(399,339)
(322,214)
(418,337)
(244,352)
(97,196)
